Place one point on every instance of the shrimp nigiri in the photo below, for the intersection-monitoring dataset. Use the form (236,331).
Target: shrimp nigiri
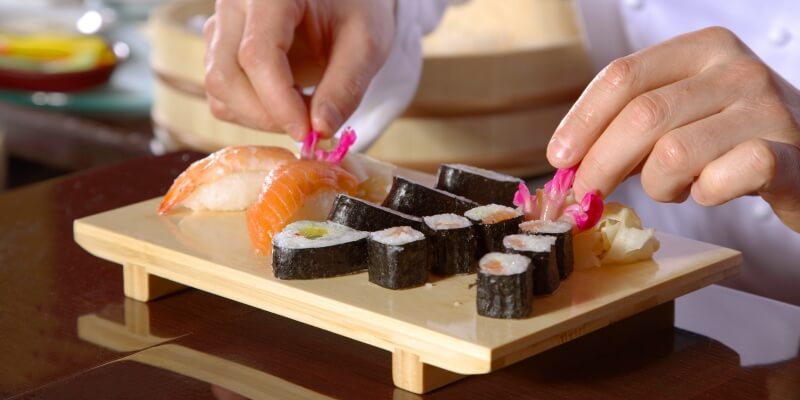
(300,190)
(228,180)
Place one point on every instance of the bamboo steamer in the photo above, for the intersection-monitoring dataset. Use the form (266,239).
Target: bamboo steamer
(496,80)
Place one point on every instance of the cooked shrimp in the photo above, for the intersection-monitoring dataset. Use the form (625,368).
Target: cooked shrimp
(227,180)
(299,190)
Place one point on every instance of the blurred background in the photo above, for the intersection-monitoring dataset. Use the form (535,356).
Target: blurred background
(86,83)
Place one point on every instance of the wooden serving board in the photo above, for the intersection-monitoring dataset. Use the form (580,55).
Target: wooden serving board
(434,331)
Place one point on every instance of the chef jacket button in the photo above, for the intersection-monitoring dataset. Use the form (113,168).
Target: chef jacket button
(762,211)
(635,4)
(780,36)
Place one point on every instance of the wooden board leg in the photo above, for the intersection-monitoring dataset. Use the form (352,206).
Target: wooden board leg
(409,373)
(139,285)
(137,317)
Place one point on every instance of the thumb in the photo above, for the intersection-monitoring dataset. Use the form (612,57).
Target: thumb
(782,192)
(356,56)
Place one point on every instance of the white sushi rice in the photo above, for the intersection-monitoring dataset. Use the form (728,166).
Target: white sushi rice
(446,221)
(484,213)
(539,226)
(511,264)
(291,237)
(398,235)
(234,192)
(538,244)
(484,172)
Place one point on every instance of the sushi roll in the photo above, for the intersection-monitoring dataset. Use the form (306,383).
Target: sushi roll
(505,286)
(452,243)
(419,200)
(477,184)
(398,258)
(492,223)
(310,250)
(540,249)
(562,231)
(365,216)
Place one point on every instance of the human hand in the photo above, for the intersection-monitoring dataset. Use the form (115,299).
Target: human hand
(259,53)
(697,115)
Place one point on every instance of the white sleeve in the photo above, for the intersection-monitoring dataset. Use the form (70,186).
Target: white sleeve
(393,87)
(603,31)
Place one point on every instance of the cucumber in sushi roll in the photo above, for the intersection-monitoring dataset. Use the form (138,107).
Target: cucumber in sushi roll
(365,216)
(478,184)
(505,286)
(492,223)
(453,244)
(562,231)
(417,199)
(310,250)
(398,258)
(540,249)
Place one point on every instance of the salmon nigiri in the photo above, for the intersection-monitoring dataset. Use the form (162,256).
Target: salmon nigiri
(300,190)
(228,180)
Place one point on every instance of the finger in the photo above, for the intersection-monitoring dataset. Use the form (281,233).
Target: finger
(267,37)
(633,133)
(208,30)
(783,192)
(769,168)
(356,56)
(623,80)
(229,93)
(681,154)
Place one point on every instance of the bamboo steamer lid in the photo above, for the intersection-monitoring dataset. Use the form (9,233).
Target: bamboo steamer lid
(496,80)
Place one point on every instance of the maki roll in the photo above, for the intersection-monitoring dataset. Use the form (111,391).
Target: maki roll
(562,231)
(477,184)
(417,199)
(365,216)
(541,252)
(492,223)
(398,258)
(452,243)
(505,286)
(309,250)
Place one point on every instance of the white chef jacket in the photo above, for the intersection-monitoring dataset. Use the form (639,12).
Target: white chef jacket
(614,28)
(772,29)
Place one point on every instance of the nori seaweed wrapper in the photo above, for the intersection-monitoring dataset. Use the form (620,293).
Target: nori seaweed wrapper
(476,187)
(398,266)
(452,251)
(490,236)
(545,275)
(565,255)
(319,262)
(505,296)
(368,217)
(419,200)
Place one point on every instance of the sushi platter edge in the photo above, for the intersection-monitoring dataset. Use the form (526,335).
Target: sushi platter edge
(117,236)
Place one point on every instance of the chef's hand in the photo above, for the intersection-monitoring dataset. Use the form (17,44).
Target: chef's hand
(699,114)
(259,53)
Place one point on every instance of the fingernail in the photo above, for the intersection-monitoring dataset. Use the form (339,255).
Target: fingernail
(559,150)
(328,119)
(295,130)
(698,195)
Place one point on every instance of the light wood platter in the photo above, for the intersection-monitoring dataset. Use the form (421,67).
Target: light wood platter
(434,332)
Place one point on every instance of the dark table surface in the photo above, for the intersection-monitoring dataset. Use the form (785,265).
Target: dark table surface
(70,142)
(66,330)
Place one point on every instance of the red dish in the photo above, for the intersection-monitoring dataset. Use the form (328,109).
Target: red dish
(56,82)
